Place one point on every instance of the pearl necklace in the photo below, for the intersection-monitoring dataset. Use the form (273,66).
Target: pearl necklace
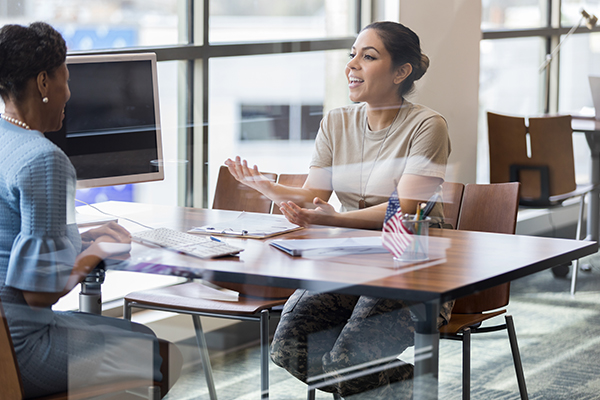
(15,121)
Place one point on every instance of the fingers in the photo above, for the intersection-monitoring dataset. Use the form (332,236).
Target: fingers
(294,213)
(240,170)
(118,232)
(111,230)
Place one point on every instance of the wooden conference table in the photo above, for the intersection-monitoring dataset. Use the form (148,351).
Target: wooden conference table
(460,263)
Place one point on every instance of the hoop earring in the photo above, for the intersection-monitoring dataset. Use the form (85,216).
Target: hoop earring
(45,100)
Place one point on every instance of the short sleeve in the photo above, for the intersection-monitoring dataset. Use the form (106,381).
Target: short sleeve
(323,151)
(429,149)
(44,251)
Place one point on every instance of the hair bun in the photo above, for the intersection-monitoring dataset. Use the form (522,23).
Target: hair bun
(422,68)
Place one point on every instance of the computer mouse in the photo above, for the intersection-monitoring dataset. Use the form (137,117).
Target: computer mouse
(112,249)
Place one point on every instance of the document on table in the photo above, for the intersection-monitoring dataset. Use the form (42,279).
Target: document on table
(335,246)
(249,225)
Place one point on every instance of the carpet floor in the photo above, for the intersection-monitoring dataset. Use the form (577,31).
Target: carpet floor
(558,335)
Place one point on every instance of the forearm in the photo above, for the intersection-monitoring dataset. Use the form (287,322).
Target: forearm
(84,264)
(280,193)
(367,218)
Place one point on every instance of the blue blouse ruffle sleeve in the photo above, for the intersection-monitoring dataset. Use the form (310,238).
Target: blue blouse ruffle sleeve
(43,264)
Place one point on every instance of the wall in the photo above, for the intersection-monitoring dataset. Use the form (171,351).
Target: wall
(450,32)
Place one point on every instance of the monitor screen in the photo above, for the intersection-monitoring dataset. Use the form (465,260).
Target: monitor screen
(111,130)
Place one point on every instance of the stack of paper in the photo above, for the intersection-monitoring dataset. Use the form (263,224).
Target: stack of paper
(250,225)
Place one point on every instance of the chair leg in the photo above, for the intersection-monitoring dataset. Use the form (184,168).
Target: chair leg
(466,364)
(264,354)
(311,394)
(204,357)
(577,237)
(126,310)
(153,393)
(514,346)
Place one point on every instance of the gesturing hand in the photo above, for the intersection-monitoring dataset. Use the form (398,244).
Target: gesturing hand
(323,214)
(240,170)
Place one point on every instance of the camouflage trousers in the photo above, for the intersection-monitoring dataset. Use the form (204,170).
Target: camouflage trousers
(346,344)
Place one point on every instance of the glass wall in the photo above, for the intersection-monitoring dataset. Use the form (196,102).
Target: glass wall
(94,26)
(257,86)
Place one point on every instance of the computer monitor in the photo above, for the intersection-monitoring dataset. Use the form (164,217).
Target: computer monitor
(111,130)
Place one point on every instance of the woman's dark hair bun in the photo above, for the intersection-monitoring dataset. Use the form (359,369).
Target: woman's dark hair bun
(422,68)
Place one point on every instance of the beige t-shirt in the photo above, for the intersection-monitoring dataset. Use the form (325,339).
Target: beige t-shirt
(367,163)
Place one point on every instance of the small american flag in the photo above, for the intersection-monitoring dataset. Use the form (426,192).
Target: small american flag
(395,237)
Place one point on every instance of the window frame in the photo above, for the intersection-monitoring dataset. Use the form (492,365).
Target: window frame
(551,34)
(197,52)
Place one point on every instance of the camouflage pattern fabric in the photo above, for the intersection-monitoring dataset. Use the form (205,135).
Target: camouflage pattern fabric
(348,344)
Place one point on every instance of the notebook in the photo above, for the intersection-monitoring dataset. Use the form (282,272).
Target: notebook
(249,225)
(330,246)
(595,88)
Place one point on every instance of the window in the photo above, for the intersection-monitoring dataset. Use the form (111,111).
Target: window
(268,113)
(250,21)
(517,35)
(261,122)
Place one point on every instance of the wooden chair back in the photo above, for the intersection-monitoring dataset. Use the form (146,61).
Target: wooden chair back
(551,153)
(488,208)
(552,144)
(233,195)
(452,193)
(294,180)
(10,376)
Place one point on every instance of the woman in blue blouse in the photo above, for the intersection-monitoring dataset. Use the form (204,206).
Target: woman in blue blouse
(41,254)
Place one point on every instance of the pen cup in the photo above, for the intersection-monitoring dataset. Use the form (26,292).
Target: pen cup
(417,243)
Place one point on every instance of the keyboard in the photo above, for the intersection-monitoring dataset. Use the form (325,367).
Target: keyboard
(181,242)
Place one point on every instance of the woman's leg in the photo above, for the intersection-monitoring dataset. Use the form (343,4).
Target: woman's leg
(365,354)
(86,349)
(309,326)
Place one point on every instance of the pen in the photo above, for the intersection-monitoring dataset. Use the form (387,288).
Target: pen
(214,238)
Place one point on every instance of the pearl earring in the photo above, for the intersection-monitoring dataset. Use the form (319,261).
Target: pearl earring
(45,100)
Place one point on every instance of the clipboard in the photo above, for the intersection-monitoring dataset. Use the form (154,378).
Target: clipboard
(249,225)
(329,247)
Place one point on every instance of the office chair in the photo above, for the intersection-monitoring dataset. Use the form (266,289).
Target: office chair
(233,195)
(547,173)
(452,193)
(12,387)
(485,208)
(256,303)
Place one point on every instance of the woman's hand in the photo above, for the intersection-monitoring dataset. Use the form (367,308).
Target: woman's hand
(110,232)
(86,261)
(248,176)
(322,214)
